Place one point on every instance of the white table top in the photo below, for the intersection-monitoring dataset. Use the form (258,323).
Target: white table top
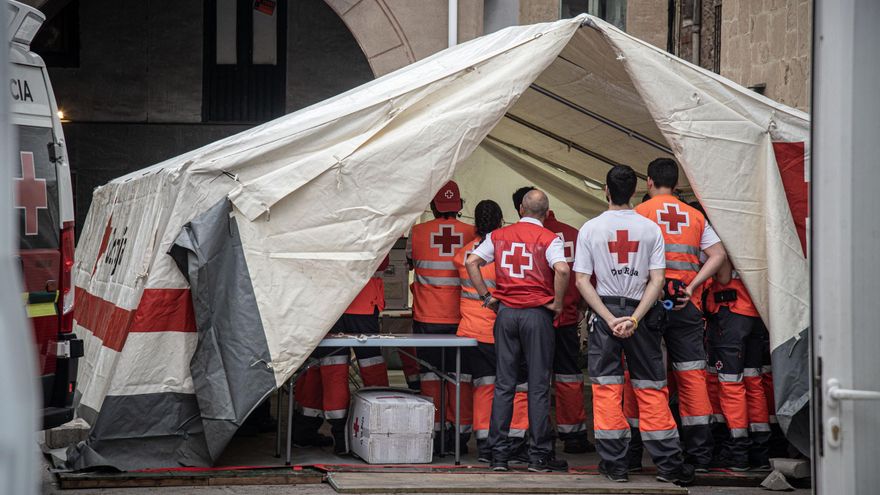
(398,340)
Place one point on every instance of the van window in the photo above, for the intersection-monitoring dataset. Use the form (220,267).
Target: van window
(36,189)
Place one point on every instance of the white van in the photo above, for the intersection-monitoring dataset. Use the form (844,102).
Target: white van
(44,202)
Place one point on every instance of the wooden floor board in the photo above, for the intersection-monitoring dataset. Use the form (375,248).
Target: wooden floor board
(494,483)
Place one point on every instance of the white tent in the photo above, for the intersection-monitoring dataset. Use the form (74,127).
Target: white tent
(205,281)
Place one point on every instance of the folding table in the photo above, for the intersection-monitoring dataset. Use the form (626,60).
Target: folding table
(346,341)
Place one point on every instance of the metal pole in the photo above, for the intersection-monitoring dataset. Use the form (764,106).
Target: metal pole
(457,405)
(289,419)
(278,422)
(452,26)
(442,413)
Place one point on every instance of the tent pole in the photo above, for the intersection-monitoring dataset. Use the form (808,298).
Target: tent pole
(605,120)
(570,144)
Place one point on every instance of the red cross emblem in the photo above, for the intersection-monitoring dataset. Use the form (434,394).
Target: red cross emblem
(355,428)
(567,247)
(447,240)
(517,263)
(30,194)
(672,219)
(622,247)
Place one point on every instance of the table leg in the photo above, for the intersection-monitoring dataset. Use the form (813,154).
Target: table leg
(457,406)
(278,421)
(442,403)
(289,420)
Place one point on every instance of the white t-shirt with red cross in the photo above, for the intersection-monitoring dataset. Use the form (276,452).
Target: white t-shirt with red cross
(620,247)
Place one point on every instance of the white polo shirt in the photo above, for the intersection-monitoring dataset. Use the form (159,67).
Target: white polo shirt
(620,247)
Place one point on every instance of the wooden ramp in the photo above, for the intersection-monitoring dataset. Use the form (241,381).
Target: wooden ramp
(195,477)
(364,482)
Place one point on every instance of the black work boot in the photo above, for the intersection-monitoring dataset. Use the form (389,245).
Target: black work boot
(577,443)
(548,463)
(683,476)
(484,453)
(305,434)
(615,477)
(338,430)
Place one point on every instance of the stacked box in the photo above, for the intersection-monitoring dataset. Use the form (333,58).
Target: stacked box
(391,426)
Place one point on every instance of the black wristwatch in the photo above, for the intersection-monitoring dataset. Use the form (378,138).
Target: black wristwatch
(486,298)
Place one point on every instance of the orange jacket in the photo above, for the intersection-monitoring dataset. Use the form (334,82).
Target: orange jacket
(476,322)
(742,305)
(372,296)
(682,227)
(435,288)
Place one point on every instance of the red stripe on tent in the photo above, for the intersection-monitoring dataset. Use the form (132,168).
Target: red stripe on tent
(160,310)
(165,310)
(790,160)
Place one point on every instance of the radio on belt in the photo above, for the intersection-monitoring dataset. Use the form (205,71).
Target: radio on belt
(391,426)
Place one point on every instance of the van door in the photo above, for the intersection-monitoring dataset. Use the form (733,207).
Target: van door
(846,233)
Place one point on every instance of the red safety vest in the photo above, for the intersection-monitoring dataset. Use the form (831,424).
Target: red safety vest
(743,304)
(523,277)
(436,289)
(682,226)
(572,299)
(372,296)
(476,322)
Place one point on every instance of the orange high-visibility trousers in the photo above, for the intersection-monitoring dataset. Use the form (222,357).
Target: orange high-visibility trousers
(644,360)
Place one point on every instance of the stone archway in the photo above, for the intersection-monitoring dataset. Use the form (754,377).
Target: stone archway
(394,33)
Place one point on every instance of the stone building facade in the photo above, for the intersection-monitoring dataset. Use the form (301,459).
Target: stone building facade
(764,45)
(141,81)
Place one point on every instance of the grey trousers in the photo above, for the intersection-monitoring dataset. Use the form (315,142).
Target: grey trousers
(523,334)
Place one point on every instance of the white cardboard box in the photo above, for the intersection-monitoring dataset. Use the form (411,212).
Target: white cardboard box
(391,426)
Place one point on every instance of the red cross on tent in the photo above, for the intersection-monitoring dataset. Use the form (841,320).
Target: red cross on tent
(447,240)
(517,260)
(30,194)
(622,246)
(672,219)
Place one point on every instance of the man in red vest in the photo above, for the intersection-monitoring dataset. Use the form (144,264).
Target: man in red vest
(531,278)
(686,234)
(568,378)
(436,290)
(322,392)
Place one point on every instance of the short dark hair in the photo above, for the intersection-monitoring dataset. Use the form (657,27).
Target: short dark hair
(664,172)
(621,182)
(519,195)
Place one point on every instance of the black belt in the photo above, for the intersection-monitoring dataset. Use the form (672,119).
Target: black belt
(620,301)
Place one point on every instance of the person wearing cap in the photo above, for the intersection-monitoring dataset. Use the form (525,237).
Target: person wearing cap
(436,289)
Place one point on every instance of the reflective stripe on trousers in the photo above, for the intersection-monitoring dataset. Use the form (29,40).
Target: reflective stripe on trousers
(371,361)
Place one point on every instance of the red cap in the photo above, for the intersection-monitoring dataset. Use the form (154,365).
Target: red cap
(448,199)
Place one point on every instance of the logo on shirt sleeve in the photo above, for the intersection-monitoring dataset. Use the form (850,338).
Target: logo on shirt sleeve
(517,263)
(671,219)
(568,248)
(447,240)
